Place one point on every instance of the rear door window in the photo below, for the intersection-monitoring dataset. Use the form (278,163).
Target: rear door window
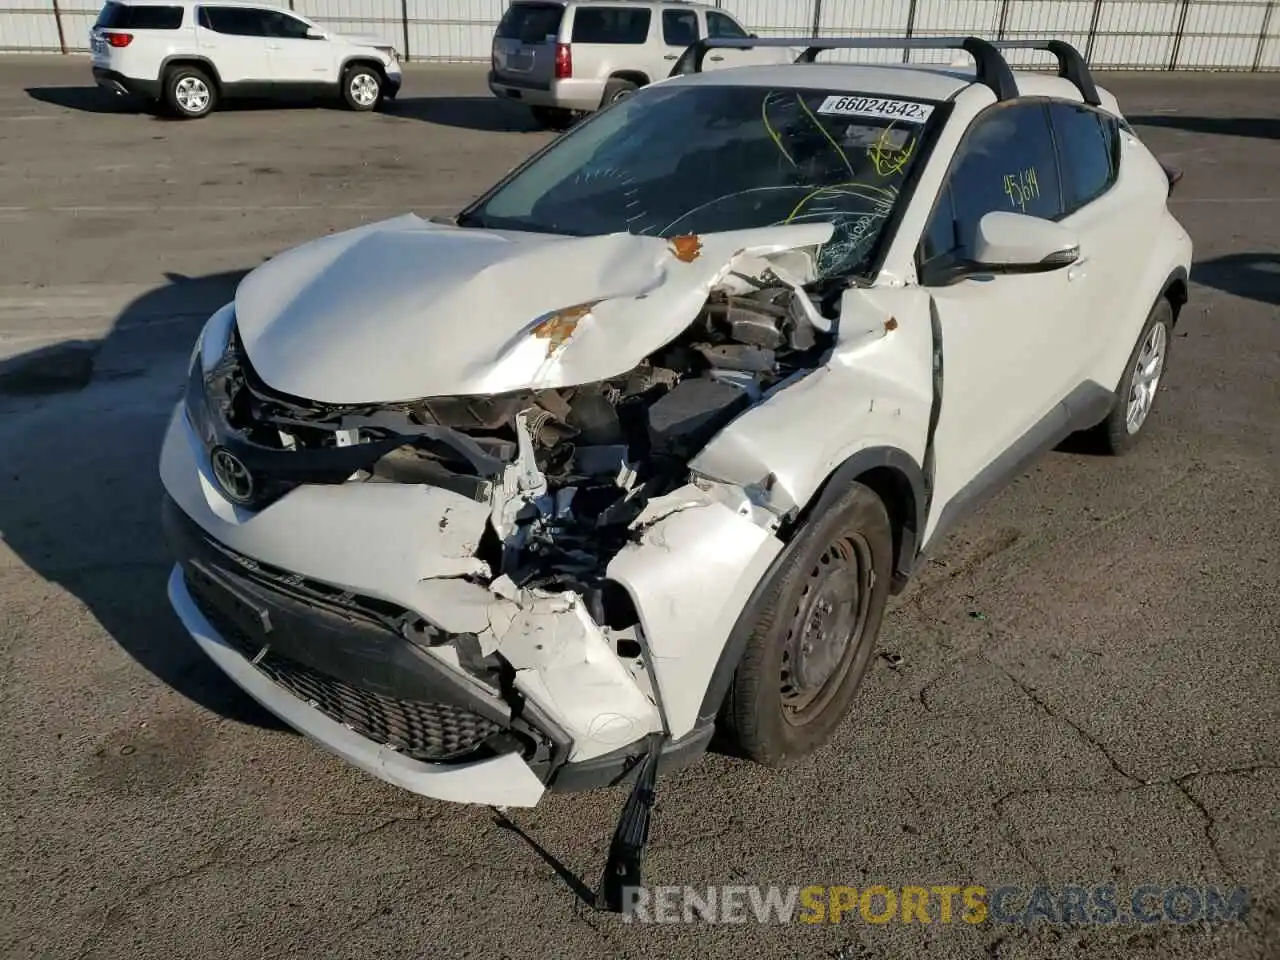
(723,27)
(235,21)
(611,24)
(1087,149)
(679,28)
(530,22)
(122,16)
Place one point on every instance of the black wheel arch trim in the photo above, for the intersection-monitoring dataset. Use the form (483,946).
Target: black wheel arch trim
(363,60)
(184,59)
(1177,290)
(860,464)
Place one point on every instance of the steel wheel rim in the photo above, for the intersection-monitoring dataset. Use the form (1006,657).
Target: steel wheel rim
(192,94)
(1144,379)
(826,631)
(364,89)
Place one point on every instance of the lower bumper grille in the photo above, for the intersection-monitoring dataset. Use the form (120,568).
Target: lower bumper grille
(424,731)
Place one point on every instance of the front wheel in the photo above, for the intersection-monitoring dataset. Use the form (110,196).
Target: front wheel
(814,631)
(362,88)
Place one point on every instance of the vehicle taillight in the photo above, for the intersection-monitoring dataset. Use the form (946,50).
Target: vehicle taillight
(119,39)
(564,61)
(1174,175)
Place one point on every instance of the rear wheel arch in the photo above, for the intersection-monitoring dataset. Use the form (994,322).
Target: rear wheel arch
(632,76)
(200,63)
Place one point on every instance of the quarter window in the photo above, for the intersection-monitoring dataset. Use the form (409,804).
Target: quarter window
(1087,146)
(679,28)
(723,27)
(1006,162)
(286,27)
(122,16)
(611,24)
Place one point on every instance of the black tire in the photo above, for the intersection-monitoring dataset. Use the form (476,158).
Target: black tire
(845,548)
(615,90)
(1115,435)
(362,88)
(189,93)
(553,118)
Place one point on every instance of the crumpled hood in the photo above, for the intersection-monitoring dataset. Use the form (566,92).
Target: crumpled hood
(406,308)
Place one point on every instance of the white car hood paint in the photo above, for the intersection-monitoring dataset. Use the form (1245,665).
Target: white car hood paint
(405,309)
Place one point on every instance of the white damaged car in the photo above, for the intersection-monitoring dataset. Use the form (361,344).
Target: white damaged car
(638,444)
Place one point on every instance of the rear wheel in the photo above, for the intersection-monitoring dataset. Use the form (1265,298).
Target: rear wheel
(617,89)
(814,631)
(1136,395)
(362,88)
(189,93)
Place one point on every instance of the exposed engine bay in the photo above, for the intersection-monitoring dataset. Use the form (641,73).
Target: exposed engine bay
(567,471)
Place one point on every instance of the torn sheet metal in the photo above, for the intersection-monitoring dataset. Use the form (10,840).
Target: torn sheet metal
(355,318)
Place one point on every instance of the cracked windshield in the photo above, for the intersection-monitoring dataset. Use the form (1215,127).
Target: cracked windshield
(705,159)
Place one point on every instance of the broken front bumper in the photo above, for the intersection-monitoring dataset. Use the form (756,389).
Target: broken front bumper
(305,603)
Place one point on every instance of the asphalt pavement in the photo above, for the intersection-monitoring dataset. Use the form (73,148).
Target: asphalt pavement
(1082,688)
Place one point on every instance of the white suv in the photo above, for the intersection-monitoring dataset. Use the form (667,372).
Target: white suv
(638,445)
(563,58)
(189,55)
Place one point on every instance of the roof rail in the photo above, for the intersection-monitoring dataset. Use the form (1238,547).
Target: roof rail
(992,68)
(1071,64)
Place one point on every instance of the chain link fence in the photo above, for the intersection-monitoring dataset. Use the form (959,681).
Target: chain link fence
(1236,35)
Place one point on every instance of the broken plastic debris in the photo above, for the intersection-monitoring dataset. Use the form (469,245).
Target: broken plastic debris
(686,248)
(895,660)
(977,615)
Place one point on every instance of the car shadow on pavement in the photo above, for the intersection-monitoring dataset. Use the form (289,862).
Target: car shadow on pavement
(1264,128)
(86,99)
(81,424)
(1255,276)
(470,113)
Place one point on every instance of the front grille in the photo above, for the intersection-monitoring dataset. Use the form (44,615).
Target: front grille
(424,731)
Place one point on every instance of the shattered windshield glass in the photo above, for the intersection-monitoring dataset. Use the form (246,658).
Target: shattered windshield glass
(700,159)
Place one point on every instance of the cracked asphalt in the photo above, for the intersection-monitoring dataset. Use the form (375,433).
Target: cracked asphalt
(1088,686)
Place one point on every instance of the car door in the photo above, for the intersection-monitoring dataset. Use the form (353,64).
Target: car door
(611,38)
(234,40)
(1010,342)
(679,32)
(295,58)
(1111,240)
(718,25)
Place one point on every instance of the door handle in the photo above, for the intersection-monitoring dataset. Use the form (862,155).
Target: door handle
(274,46)
(669,56)
(715,57)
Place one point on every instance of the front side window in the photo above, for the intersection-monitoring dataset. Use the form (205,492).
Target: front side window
(1006,162)
(1086,144)
(732,158)
(611,24)
(679,28)
(723,27)
(236,21)
(530,22)
(285,27)
(123,16)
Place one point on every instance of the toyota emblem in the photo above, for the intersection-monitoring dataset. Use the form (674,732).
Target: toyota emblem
(232,475)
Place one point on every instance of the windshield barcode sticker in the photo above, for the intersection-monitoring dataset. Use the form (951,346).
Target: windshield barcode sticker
(909,111)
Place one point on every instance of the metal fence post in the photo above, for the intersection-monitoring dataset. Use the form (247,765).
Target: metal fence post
(57,19)
(1093,31)
(817,16)
(404,21)
(1262,36)
(1004,18)
(911,27)
(1177,35)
